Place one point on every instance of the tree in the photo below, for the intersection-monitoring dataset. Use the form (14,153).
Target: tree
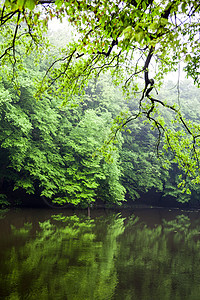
(126,37)
(49,151)
(87,176)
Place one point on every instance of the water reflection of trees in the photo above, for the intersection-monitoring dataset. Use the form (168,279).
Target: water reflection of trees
(160,262)
(65,260)
(106,258)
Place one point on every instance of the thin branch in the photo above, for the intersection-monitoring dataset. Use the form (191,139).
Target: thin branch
(132,75)
(2,12)
(6,52)
(131,118)
(66,67)
(159,127)
(15,35)
(9,16)
(59,60)
(178,84)
(195,9)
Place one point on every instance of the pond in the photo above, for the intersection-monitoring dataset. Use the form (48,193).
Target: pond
(141,253)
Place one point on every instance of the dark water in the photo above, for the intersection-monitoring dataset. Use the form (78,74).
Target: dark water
(133,254)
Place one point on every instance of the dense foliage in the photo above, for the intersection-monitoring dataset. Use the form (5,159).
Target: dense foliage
(53,149)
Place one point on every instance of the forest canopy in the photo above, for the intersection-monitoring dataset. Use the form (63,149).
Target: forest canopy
(137,42)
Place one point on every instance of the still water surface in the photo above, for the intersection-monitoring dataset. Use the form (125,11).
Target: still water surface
(151,254)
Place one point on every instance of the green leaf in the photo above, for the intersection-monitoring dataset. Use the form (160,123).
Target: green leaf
(30,4)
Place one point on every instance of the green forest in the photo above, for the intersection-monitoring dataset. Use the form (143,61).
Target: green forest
(88,115)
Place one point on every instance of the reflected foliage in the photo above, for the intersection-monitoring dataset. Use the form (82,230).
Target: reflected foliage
(160,261)
(109,257)
(66,258)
